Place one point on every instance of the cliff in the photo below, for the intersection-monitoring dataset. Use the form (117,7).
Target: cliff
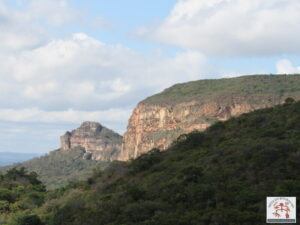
(157,121)
(99,142)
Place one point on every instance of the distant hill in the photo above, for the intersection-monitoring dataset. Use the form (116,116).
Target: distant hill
(220,176)
(7,158)
(98,141)
(82,150)
(58,168)
(158,120)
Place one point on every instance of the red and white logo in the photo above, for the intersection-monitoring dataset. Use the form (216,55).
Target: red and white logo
(281,209)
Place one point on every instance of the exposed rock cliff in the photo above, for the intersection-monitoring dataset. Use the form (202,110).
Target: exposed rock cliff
(157,121)
(98,141)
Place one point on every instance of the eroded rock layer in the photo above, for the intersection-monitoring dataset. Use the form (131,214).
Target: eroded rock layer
(159,120)
(99,142)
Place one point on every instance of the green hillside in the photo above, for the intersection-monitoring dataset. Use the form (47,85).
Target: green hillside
(221,176)
(276,87)
(58,168)
(20,193)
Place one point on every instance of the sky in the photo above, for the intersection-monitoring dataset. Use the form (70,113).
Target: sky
(63,62)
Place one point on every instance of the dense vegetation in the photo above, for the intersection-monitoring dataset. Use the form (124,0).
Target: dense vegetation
(277,87)
(58,168)
(219,177)
(20,193)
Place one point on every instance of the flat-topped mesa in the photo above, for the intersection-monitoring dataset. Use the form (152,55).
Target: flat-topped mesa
(103,143)
(158,120)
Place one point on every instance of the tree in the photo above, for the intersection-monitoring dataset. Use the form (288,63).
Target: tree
(289,101)
(23,219)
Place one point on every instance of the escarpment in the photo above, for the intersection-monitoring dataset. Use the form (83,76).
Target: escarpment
(99,142)
(159,120)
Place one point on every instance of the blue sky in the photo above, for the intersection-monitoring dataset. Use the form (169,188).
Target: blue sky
(67,61)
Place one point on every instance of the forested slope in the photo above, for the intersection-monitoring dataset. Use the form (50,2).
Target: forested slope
(221,176)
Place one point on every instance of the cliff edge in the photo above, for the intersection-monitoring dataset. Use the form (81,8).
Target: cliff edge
(158,120)
(99,142)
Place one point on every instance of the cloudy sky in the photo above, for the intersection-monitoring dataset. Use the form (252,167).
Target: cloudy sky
(63,62)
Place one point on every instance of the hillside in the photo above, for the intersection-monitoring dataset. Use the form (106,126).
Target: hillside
(58,168)
(279,86)
(76,159)
(20,191)
(220,176)
(158,120)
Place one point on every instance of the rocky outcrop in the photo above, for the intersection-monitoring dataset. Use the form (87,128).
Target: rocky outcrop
(155,126)
(99,142)
(159,120)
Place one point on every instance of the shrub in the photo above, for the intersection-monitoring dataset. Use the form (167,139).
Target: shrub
(23,219)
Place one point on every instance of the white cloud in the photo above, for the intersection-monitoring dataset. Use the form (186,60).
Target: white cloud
(12,130)
(70,115)
(16,30)
(77,78)
(232,27)
(285,66)
(54,12)
(27,26)
(85,74)
(78,71)
(34,92)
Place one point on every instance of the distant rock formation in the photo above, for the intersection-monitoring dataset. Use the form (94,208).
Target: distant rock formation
(157,121)
(99,142)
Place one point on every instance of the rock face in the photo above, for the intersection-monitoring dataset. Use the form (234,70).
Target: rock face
(99,142)
(159,120)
